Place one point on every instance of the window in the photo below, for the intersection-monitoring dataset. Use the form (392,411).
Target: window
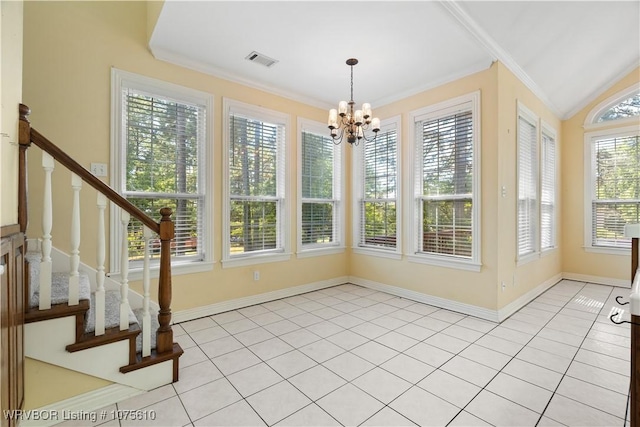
(446,183)
(630,107)
(537,178)
(612,180)
(548,189)
(159,153)
(319,210)
(527,173)
(376,190)
(255,210)
(614,191)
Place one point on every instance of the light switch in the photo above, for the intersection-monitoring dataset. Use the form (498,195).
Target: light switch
(99,169)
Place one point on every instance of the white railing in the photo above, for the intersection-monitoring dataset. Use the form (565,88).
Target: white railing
(47,223)
(164,229)
(100,273)
(74,260)
(46,267)
(124,272)
(146,293)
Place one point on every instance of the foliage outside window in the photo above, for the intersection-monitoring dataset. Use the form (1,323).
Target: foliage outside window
(378,213)
(612,171)
(161,153)
(447,183)
(320,189)
(630,107)
(256,187)
(615,188)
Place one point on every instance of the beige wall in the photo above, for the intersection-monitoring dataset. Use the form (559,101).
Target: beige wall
(70,98)
(476,288)
(519,279)
(46,384)
(11,95)
(500,91)
(576,260)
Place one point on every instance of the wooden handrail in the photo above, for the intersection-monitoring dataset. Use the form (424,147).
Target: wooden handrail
(164,228)
(33,136)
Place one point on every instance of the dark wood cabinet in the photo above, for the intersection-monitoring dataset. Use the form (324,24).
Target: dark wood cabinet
(12,300)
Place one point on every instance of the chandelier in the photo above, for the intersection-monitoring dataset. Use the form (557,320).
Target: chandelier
(353,124)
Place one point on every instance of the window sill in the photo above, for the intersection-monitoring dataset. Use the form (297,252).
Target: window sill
(527,259)
(382,253)
(176,270)
(308,253)
(607,250)
(448,262)
(255,259)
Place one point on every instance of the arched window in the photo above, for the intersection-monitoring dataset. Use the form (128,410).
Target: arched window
(630,107)
(612,171)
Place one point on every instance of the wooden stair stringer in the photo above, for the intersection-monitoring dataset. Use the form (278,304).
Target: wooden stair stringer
(47,341)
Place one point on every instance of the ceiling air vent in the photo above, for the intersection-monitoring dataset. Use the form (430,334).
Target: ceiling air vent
(259,58)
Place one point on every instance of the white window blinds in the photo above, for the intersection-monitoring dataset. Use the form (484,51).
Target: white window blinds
(548,192)
(527,186)
(446,199)
(616,189)
(163,146)
(378,220)
(256,185)
(320,190)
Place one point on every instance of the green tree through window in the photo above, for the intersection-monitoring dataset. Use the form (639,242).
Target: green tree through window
(163,147)
(254,185)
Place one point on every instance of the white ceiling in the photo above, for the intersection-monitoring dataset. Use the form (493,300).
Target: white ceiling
(567,52)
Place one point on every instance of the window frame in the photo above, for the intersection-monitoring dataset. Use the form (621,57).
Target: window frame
(591,121)
(338,243)
(119,80)
(283,252)
(392,123)
(589,189)
(468,102)
(552,134)
(535,229)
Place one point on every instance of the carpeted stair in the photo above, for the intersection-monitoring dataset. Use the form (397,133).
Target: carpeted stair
(60,295)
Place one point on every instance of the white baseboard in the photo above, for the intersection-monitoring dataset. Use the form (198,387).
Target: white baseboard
(518,303)
(234,304)
(82,405)
(471,310)
(623,283)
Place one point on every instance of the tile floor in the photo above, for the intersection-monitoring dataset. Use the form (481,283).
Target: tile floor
(348,355)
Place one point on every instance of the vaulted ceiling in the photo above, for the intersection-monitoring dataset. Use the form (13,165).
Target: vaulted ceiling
(567,52)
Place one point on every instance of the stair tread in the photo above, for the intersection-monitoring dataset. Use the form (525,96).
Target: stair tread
(111,309)
(60,288)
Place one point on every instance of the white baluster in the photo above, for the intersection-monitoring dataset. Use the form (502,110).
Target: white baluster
(124,272)
(74,260)
(47,223)
(146,285)
(100,257)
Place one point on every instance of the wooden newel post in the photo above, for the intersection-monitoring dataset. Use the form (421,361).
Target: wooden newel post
(165,333)
(24,141)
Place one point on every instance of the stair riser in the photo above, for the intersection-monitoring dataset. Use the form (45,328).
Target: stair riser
(47,341)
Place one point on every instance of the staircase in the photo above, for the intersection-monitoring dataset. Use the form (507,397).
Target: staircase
(78,318)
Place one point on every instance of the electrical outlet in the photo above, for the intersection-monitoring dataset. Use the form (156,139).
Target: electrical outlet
(503,286)
(99,169)
(256,275)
